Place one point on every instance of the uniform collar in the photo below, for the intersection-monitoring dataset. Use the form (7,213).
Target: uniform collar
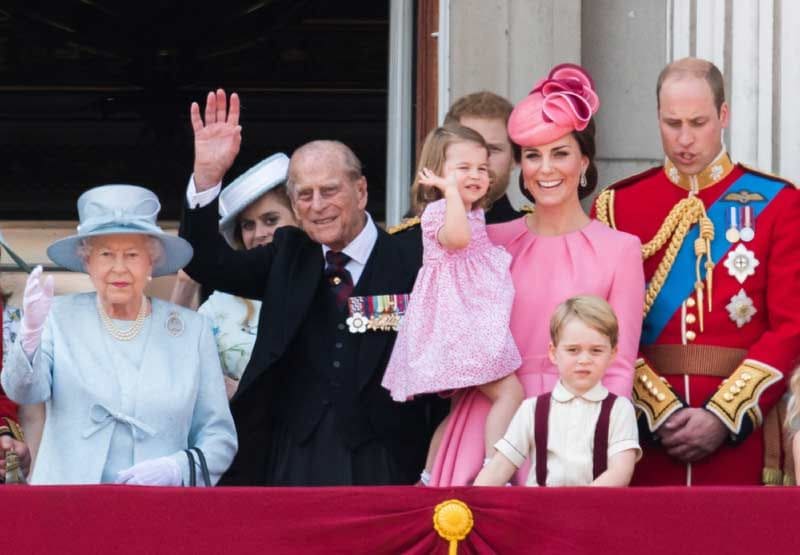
(715,172)
(564,395)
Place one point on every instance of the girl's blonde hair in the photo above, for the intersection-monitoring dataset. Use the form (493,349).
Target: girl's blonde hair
(792,423)
(592,311)
(433,156)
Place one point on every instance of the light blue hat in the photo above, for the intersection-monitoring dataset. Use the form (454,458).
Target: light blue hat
(115,210)
(247,188)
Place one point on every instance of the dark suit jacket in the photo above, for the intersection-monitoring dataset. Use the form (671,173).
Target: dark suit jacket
(285,276)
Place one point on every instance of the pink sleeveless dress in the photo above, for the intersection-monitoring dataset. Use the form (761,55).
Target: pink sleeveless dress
(595,260)
(455,332)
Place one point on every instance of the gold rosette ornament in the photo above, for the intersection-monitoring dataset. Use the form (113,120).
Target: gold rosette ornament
(452,519)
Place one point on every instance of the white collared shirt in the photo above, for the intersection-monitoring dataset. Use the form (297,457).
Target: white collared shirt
(570,437)
(358,249)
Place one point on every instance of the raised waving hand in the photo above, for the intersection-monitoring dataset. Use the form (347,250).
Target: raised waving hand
(217,138)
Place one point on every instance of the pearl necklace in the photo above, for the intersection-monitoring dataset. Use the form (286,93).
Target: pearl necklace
(131,332)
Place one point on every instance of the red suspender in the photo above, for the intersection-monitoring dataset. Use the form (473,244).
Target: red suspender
(601,436)
(541,417)
(600,451)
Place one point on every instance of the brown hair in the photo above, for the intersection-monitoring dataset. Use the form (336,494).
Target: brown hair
(433,156)
(592,311)
(699,69)
(280,194)
(483,105)
(586,144)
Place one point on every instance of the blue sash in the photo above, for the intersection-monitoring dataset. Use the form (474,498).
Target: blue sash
(680,281)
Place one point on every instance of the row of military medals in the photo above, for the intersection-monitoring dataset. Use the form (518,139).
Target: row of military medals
(740,224)
(741,262)
(376,312)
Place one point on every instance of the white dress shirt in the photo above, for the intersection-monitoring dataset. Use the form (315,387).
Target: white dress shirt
(570,437)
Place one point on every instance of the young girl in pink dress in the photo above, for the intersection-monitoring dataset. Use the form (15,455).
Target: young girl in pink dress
(557,252)
(455,333)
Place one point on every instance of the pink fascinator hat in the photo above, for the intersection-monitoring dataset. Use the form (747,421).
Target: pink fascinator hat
(563,102)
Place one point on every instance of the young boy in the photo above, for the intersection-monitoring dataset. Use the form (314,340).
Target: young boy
(580,434)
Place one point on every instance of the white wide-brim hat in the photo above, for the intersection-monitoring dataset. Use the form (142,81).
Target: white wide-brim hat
(248,188)
(117,210)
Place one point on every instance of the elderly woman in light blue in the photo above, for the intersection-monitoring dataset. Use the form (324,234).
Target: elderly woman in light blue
(129,382)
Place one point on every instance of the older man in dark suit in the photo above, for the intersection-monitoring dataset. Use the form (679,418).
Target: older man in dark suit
(310,409)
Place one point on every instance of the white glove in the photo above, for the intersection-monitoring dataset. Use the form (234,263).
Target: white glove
(163,471)
(36,302)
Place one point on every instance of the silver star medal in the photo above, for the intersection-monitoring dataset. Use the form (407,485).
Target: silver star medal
(741,309)
(357,323)
(741,263)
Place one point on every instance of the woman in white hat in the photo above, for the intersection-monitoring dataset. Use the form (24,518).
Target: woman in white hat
(251,208)
(129,382)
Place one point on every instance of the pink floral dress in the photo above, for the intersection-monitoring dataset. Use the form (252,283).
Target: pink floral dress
(455,332)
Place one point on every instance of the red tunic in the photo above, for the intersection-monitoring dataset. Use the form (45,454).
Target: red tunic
(8,410)
(769,341)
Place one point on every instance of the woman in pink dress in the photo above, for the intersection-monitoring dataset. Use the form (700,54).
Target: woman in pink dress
(455,332)
(558,252)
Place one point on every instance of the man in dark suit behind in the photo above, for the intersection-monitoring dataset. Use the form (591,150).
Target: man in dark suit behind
(310,409)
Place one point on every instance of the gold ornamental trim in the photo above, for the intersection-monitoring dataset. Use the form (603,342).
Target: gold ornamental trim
(715,172)
(452,520)
(408,223)
(653,396)
(741,392)
(8,426)
(604,208)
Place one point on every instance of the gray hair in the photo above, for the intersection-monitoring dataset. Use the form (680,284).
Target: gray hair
(324,149)
(155,249)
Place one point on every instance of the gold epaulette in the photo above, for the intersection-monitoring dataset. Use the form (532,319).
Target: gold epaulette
(604,208)
(604,203)
(10,427)
(527,209)
(738,395)
(653,395)
(408,223)
(768,175)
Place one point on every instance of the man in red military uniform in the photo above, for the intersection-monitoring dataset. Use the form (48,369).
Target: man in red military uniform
(11,435)
(722,318)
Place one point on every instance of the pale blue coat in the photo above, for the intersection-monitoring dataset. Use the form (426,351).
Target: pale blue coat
(179,399)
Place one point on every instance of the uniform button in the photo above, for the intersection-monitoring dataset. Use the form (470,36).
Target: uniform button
(690,302)
(338,345)
(661,397)
(740,383)
(746,376)
(340,326)
(336,364)
(735,390)
(728,397)
(691,318)
(643,378)
(690,335)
